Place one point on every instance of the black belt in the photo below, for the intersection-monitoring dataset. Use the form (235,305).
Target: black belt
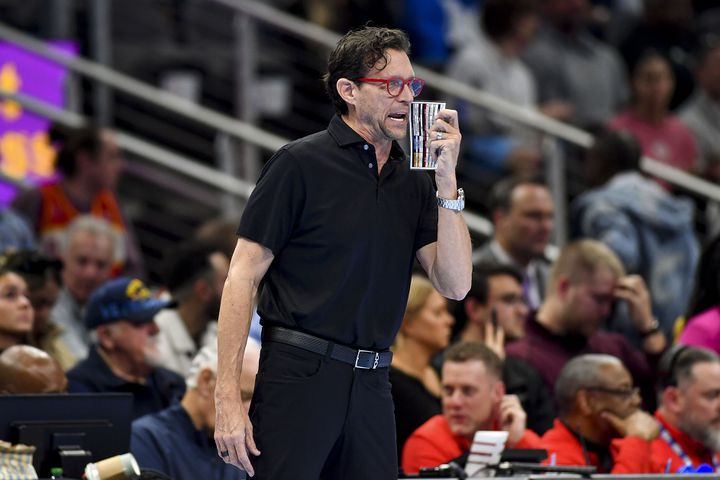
(364,359)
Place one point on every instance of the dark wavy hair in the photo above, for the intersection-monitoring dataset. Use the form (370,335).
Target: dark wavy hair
(357,53)
(71,142)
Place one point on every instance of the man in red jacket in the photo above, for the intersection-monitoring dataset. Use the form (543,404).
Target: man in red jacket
(689,412)
(600,422)
(473,398)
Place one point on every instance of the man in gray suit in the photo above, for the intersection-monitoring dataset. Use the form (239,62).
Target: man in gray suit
(523,216)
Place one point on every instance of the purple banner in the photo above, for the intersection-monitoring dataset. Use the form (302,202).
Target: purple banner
(25,152)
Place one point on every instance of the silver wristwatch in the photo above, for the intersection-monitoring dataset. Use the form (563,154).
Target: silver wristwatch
(456,205)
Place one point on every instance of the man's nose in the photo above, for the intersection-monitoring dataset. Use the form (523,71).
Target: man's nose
(406,94)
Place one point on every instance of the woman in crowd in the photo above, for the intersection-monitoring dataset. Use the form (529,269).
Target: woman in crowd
(42,276)
(425,331)
(16,312)
(661,134)
(702,328)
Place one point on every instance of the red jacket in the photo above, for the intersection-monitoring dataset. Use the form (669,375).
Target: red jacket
(661,451)
(434,444)
(629,454)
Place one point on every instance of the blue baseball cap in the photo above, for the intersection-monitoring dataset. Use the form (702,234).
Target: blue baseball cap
(124,298)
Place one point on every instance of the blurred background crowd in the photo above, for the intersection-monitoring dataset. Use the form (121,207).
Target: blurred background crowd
(131,191)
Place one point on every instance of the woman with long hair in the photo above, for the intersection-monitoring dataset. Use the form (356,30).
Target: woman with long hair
(425,332)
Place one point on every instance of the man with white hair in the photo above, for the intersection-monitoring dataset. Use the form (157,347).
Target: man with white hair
(600,422)
(689,411)
(87,252)
(178,441)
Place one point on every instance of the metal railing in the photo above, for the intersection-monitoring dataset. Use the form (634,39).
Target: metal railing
(525,116)
(223,123)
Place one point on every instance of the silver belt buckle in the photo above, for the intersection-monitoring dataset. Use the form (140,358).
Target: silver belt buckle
(375,362)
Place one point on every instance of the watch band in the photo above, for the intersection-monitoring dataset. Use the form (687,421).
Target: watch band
(456,205)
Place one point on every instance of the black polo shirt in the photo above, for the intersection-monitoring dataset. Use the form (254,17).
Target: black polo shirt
(344,238)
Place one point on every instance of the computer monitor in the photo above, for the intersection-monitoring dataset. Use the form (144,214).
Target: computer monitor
(68,430)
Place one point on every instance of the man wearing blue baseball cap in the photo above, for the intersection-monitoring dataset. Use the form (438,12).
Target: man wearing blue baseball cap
(120,316)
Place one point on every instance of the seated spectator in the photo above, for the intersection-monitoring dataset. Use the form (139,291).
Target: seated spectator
(523,220)
(668,27)
(473,398)
(15,233)
(494,313)
(702,327)
(661,134)
(573,67)
(195,276)
(87,253)
(120,313)
(178,441)
(42,275)
(16,311)
(688,413)
(701,113)
(600,422)
(425,331)
(585,283)
(26,370)
(649,229)
(90,163)
(491,64)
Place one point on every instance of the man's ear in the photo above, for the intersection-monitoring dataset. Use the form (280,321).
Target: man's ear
(562,287)
(206,382)
(474,310)
(104,337)
(672,399)
(347,89)
(584,403)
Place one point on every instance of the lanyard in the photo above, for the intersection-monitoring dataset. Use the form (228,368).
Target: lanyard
(665,435)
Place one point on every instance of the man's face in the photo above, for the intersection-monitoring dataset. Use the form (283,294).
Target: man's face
(699,404)
(505,296)
(379,116)
(709,74)
(526,227)
(108,164)
(470,397)
(614,394)
(87,264)
(16,312)
(43,299)
(588,302)
(136,344)
(567,15)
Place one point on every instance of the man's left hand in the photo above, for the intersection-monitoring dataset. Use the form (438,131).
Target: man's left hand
(632,289)
(512,419)
(446,150)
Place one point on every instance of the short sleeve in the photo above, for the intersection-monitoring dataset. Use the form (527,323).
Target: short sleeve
(427,226)
(275,206)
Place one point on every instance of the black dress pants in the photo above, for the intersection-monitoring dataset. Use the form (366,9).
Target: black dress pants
(316,418)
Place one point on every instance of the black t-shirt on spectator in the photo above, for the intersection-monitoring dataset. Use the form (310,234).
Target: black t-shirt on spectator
(344,238)
(414,405)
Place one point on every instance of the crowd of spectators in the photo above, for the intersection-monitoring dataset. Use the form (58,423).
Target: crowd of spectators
(565,351)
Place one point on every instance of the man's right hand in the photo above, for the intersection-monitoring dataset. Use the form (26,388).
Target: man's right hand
(234,434)
(637,424)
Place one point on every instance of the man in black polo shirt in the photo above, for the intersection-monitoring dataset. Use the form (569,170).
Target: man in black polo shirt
(332,230)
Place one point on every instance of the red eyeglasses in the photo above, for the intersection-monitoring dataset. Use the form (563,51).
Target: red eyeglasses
(395,85)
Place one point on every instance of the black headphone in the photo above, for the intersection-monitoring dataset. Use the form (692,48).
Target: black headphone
(668,362)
